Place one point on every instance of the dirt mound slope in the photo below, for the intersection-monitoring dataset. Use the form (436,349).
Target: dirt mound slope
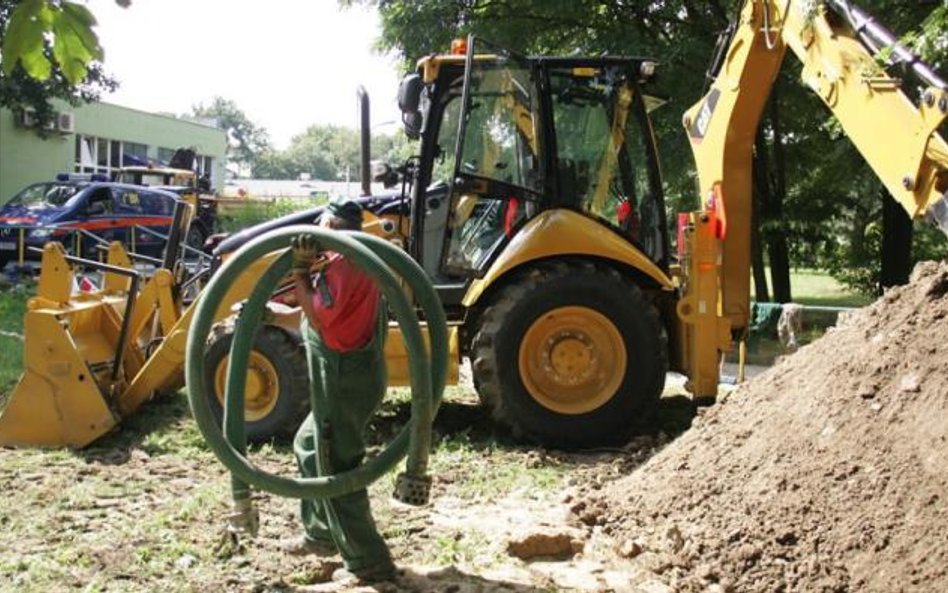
(827,473)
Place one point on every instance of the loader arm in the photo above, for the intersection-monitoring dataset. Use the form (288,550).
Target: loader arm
(896,134)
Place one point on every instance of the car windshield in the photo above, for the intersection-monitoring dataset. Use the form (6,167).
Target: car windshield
(45,195)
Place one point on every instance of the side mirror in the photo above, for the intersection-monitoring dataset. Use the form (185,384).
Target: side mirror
(409,93)
(412,123)
(409,102)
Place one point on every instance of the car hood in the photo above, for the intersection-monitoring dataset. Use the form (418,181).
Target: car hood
(15,214)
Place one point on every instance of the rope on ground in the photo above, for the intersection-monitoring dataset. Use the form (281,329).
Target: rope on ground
(13,335)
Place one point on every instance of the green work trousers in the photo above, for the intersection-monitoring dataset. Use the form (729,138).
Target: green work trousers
(345,390)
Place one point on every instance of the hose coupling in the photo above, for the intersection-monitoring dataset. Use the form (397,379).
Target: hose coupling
(244,520)
(412,489)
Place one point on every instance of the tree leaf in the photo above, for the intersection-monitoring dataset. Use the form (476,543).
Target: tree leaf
(78,19)
(74,42)
(23,41)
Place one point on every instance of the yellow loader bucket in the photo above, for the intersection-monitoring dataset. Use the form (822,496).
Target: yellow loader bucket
(57,401)
(70,358)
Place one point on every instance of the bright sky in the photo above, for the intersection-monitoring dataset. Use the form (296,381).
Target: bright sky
(286,63)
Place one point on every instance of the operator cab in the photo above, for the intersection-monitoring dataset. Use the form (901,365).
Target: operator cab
(505,137)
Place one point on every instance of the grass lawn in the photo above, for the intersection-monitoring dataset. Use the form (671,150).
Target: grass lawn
(817,288)
(12,307)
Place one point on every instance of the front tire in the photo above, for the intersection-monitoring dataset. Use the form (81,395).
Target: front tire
(277,391)
(570,355)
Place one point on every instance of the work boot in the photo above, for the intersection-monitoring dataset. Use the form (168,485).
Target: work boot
(303,546)
(365,576)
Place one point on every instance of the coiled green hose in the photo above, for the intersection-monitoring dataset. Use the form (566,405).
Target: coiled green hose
(386,264)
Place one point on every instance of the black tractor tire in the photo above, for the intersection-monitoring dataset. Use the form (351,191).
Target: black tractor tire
(195,238)
(287,359)
(544,292)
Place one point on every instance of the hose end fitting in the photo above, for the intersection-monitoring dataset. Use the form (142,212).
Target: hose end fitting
(412,489)
(244,520)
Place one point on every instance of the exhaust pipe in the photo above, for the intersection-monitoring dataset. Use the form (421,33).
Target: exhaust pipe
(365,140)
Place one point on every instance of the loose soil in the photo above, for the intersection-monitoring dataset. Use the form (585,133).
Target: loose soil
(145,510)
(829,472)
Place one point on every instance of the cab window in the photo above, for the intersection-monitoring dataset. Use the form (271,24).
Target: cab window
(500,140)
(498,173)
(443,169)
(602,165)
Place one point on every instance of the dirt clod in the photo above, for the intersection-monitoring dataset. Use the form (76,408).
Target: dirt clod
(796,482)
(547,543)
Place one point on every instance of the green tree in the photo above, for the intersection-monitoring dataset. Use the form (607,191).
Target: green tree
(246,140)
(818,198)
(48,51)
(322,151)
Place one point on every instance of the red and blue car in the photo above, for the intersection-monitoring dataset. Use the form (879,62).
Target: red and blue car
(59,210)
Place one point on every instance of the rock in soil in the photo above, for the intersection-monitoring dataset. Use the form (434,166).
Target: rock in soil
(545,543)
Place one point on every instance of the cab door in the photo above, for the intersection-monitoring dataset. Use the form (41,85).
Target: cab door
(498,171)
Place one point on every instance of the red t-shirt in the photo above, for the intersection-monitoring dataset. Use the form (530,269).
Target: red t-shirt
(348,320)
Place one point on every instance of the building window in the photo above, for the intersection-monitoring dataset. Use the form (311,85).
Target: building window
(165,154)
(205,166)
(102,155)
(85,154)
(136,150)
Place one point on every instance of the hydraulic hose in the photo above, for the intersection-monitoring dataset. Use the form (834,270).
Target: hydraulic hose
(386,265)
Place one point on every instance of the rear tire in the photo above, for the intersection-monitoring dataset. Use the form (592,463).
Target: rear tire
(195,239)
(278,383)
(570,355)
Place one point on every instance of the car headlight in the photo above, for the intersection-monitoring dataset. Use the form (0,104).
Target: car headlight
(40,233)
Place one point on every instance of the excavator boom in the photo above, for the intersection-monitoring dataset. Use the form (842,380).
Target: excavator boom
(894,128)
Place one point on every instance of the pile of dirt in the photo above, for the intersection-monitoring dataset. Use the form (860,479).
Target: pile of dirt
(827,473)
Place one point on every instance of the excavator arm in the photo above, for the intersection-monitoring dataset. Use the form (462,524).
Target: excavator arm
(837,44)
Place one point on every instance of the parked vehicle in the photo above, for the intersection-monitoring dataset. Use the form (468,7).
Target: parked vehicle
(62,209)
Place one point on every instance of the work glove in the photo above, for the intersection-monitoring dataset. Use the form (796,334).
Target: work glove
(306,253)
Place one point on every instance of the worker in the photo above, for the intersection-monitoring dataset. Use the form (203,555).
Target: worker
(343,330)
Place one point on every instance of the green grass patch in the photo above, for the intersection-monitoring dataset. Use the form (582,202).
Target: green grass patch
(234,217)
(818,288)
(12,309)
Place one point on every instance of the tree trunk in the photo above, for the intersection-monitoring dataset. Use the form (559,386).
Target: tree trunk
(758,207)
(896,243)
(778,252)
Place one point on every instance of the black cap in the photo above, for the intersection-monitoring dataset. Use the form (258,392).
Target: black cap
(346,209)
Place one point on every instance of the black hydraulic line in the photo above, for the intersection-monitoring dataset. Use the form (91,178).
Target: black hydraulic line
(126,321)
(878,36)
(194,278)
(174,237)
(720,48)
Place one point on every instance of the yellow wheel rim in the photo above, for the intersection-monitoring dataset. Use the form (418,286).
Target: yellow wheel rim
(262,387)
(572,360)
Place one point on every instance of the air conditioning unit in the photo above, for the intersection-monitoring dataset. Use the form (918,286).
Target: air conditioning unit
(66,122)
(27,119)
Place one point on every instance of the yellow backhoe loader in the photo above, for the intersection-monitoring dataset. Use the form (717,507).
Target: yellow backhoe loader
(535,206)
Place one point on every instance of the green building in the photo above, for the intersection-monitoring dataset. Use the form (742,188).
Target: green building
(100,138)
